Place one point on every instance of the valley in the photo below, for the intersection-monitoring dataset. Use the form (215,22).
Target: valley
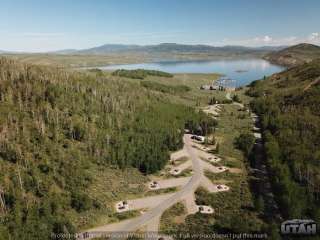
(140,152)
(111,54)
(160,120)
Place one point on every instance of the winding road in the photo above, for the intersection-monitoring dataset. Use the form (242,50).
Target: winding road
(155,213)
(158,204)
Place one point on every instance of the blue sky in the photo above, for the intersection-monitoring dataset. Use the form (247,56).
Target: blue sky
(43,25)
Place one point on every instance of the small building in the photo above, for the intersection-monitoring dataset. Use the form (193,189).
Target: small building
(214,159)
(205,209)
(257,135)
(210,87)
(154,185)
(122,206)
(222,188)
(222,169)
(198,138)
(205,87)
(214,87)
(175,171)
(230,89)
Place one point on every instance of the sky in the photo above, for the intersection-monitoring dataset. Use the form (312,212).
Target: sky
(47,25)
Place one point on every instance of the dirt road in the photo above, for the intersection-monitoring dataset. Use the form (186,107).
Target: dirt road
(158,204)
(158,209)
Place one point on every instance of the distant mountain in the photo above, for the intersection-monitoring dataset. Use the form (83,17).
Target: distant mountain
(168,48)
(272,48)
(64,51)
(294,55)
(174,47)
(109,48)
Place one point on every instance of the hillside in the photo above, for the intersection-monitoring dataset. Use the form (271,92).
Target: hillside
(288,104)
(125,54)
(71,144)
(108,49)
(64,51)
(295,55)
(170,48)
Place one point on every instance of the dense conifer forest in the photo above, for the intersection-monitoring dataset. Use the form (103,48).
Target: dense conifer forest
(55,126)
(140,73)
(289,106)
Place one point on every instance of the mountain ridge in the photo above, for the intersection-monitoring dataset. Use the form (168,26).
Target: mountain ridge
(172,47)
(294,55)
(155,48)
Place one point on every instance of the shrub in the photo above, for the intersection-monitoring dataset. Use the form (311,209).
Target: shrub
(9,153)
(165,88)
(226,101)
(236,98)
(80,202)
(140,73)
(245,142)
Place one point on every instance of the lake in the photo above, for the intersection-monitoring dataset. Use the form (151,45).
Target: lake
(242,71)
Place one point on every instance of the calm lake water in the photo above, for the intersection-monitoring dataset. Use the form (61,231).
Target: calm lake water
(242,71)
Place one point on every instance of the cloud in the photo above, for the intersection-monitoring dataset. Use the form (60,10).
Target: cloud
(41,34)
(313,38)
(267,39)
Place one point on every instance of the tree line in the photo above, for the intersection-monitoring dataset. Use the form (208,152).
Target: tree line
(288,104)
(140,73)
(56,125)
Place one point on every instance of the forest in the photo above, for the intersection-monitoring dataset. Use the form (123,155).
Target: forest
(289,106)
(56,125)
(140,73)
(175,89)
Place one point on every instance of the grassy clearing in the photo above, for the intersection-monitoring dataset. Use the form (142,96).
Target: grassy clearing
(175,89)
(126,215)
(232,121)
(112,185)
(160,191)
(78,60)
(236,205)
(234,209)
(185,173)
(240,92)
(180,161)
(195,96)
(186,87)
(172,218)
(108,187)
